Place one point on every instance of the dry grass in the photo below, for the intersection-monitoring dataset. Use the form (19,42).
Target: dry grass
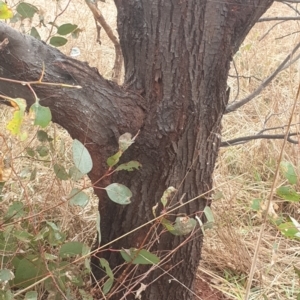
(249,171)
(245,171)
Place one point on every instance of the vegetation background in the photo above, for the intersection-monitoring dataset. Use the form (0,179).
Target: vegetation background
(244,173)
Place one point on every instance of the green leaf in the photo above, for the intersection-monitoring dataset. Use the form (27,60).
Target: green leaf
(168,195)
(42,136)
(60,172)
(256,204)
(6,295)
(42,150)
(23,236)
(49,256)
(6,275)
(113,160)
(119,193)
(66,28)
(75,174)
(58,41)
(125,140)
(70,249)
(35,33)
(139,257)
(81,157)
(288,229)
(108,284)
(30,151)
(55,236)
(15,210)
(29,270)
(77,197)
(32,295)
(183,225)
(130,166)
(289,172)
(167,224)
(41,234)
(26,10)
(5,11)
(14,125)
(208,214)
(42,115)
(288,193)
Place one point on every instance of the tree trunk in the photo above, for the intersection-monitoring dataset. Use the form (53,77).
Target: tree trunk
(177,55)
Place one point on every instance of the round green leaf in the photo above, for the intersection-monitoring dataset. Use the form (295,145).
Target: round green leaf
(78,198)
(70,249)
(30,151)
(81,157)
(42,115)
(42,136)
(26,10)
(6,275)
(42,150)
(58,41)
(119,193)
(183,225)
(66,28)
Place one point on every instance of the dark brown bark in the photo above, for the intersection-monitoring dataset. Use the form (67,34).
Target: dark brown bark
(177,55)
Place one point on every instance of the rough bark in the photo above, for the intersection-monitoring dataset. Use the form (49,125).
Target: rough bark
(177,55)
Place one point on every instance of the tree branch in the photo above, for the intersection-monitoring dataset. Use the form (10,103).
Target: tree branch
(278,19)
(245,139)
(118,51)
(235,105)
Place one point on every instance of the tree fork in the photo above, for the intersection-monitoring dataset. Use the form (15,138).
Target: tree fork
(177,55)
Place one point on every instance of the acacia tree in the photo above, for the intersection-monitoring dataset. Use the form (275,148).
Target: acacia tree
(177,55)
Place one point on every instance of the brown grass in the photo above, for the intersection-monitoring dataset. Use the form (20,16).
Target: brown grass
(245,171)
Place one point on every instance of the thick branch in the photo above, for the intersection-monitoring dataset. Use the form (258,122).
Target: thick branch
(98,113)
(235,105)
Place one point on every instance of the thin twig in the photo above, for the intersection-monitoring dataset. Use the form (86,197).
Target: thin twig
(286,62)
(119,58)
(237,81)
(280,22)
(279,19)
(245,139)
(291,7)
